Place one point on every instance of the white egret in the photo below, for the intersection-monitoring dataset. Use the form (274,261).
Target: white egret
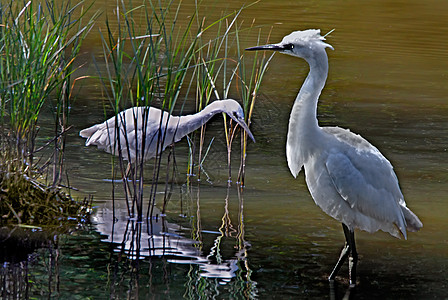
(153,130)
(348,178)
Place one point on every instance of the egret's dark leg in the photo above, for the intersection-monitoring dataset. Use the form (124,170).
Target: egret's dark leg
(344,253)
(353,259)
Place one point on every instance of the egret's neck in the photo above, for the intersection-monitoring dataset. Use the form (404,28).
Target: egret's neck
(303,128)
(304,111)
(189,123)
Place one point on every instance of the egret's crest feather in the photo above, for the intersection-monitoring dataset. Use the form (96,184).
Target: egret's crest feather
(310,36)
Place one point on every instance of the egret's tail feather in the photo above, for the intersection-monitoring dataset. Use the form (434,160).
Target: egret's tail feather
(88,133)
(412,221)
(97,136)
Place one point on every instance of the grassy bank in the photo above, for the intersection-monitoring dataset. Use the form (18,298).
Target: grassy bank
(39,42)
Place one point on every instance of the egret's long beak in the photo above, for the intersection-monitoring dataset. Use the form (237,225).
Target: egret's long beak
(272,47)
(245,127)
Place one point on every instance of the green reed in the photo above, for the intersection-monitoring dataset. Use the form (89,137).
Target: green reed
(212,66)
(217,69)
(39,44)
(249,85)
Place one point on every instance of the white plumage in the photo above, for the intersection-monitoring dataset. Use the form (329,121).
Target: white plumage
(348,178)
(152,130)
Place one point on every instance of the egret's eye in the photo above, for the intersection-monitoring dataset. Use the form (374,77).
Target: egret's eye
(288,47)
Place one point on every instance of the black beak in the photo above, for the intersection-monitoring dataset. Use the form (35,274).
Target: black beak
(243,125)
(246,128)
(273,47)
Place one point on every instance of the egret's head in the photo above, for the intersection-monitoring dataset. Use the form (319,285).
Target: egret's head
(234,110)
(304,44)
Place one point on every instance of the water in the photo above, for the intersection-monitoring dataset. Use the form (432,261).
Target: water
(387,82)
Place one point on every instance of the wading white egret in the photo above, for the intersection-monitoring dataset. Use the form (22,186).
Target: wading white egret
(153,130)
(348,178)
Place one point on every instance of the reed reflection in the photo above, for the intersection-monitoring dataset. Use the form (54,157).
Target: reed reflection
(217,258)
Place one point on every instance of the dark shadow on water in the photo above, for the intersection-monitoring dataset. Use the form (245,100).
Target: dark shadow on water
(338,292)
(19,249)
(17,244)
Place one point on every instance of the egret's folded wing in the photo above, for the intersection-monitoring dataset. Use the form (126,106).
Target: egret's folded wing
(366,197)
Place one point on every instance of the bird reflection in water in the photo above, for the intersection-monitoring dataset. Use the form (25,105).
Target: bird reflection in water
(157,238)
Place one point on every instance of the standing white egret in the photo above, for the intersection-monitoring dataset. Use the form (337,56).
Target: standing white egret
(348,178)
(153,130)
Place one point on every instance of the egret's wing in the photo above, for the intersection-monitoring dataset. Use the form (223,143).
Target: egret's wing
(127,132)
(147,126)
(366,188)
(365,157)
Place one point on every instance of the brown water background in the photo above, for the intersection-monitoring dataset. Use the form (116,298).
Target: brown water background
(387,81)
